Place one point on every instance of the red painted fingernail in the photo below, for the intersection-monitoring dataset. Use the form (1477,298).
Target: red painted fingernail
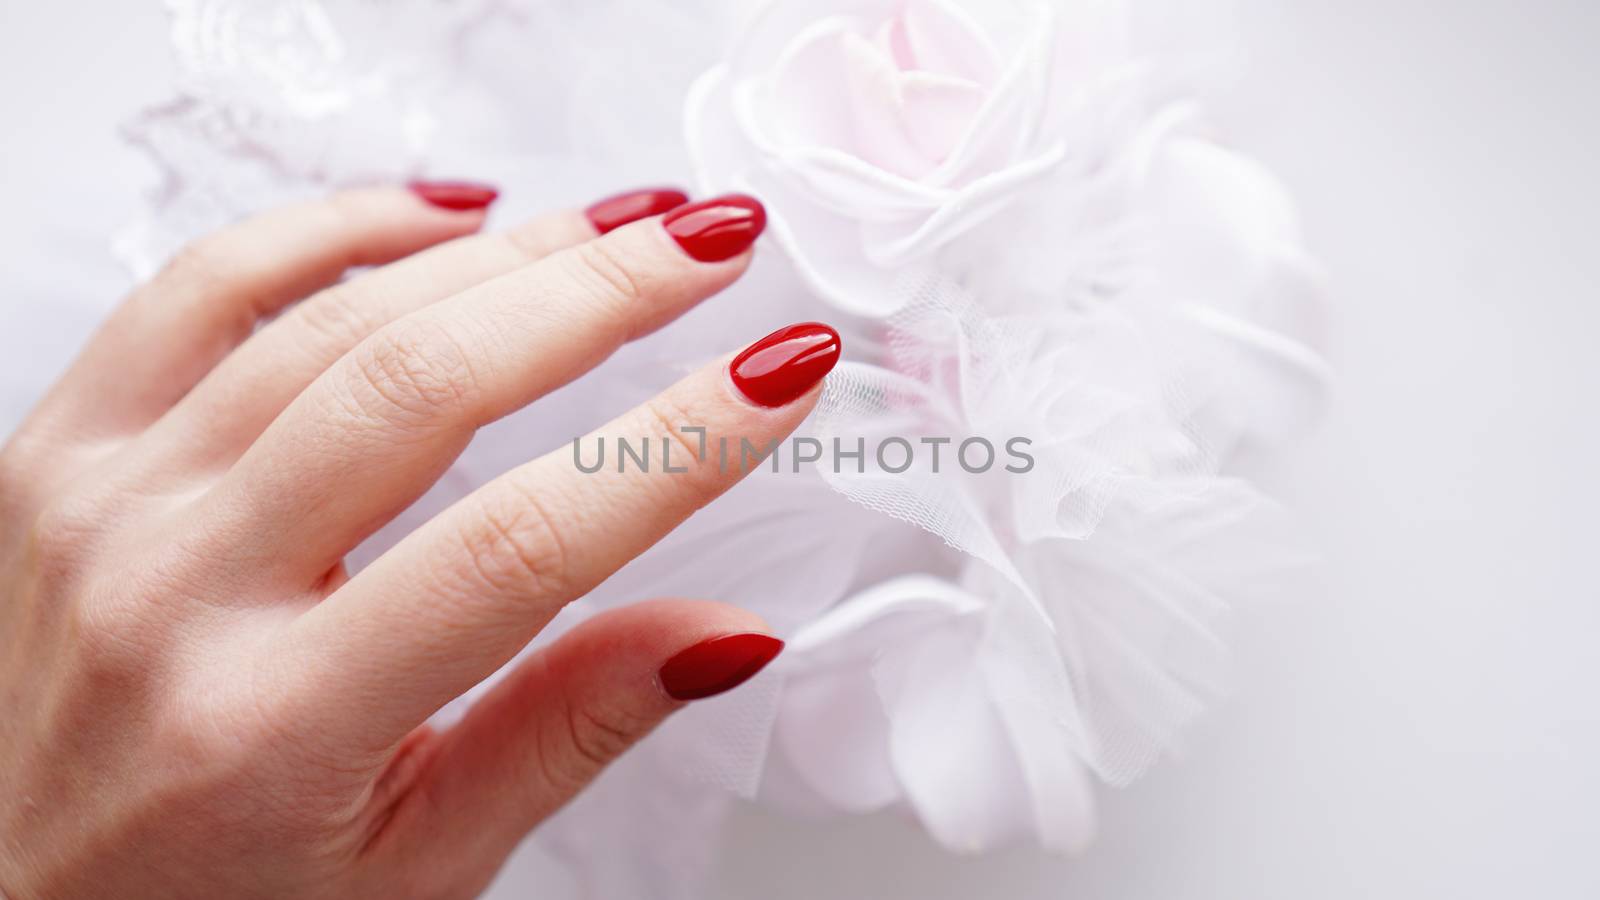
(455,195)
(786,363)
(717,229)
(720,664)
(615,212)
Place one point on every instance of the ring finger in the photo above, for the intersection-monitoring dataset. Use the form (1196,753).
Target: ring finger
(231,408)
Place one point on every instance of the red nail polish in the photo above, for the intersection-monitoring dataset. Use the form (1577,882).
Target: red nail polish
(719,228)
(720,664)
(455,195)
(615,212)
(786,363)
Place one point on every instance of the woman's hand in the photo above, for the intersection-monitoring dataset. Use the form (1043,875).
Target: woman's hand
(197,701)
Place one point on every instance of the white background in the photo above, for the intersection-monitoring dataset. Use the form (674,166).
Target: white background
(1429,727)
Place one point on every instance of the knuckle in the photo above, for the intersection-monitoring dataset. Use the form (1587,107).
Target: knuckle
(518,245)
(598,736)
(582,741)
(514,546)
(671,417)
(204,262)
(259,721)
(605,275)
(696,486)
(333,317)
(113,634)
(17,477)
(203,732)
(216,738)
(347,212)
(412,372)
(350,224)
(64,531)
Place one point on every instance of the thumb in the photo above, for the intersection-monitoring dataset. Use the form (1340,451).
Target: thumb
(542,734)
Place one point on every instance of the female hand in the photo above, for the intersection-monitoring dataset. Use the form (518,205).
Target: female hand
(198,701)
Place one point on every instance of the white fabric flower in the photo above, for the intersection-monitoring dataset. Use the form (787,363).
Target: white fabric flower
(1035,247)
(1075,636)
(877,130)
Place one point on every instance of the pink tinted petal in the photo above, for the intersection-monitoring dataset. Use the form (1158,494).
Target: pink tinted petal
(834,179)
(875,101)
(936,111)
(774,26)
(896,243)
(805,105)
(892,37)
(825,249)
(1007,125)
(944,39)
(849,185)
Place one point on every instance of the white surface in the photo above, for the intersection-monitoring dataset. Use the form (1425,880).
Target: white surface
(1430,726)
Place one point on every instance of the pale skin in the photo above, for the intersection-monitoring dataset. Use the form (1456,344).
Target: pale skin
(197,700)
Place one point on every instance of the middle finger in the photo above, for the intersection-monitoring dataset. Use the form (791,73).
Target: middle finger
(372,433)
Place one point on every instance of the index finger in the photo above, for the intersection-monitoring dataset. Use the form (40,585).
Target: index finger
(459,597)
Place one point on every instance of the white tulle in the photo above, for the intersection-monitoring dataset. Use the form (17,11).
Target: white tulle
(1023,228)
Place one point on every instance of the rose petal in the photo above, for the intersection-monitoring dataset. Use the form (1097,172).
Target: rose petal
(773,27)
(860,626)
(1007,125)
(891,37)
(834,179)
(1276,387)
(936,110)
(805,104)
(895,243)
(1033,698)
(834,738)
(714,141)
(830,692)
(949,747)
(875,100)
(1227,242)
(943,38)
(1223,219)
(824,247)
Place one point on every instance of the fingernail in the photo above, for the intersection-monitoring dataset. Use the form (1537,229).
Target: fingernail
(717,229)
(455,195)
(720,664)
(786,363)
(615,212)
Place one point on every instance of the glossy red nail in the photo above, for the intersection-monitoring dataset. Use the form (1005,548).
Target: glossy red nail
(455,195)
(717,229)
(786,363)
(615,212)
(720,664)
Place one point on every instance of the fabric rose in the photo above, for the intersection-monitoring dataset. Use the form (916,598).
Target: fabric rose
(1040,234)
(877,131)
